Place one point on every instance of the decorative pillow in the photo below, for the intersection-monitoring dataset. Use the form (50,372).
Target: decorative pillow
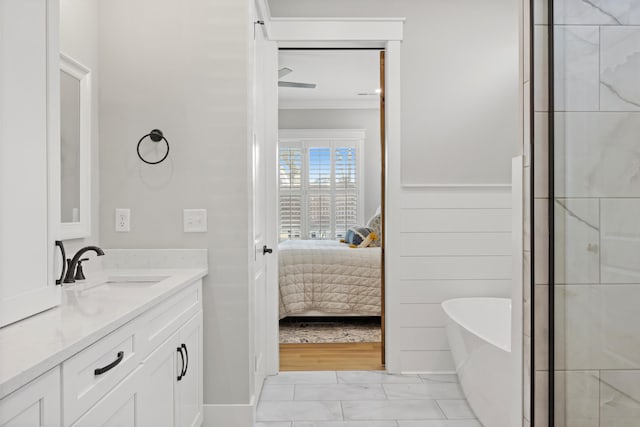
(375,224)
(360,237)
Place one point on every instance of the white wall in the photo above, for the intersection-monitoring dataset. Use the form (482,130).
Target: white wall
(459,83)
(183,67)
(79,40)
(369,120)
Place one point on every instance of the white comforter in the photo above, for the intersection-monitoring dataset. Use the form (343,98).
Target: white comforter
(328,276)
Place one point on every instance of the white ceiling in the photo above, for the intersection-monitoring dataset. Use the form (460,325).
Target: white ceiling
(339,75)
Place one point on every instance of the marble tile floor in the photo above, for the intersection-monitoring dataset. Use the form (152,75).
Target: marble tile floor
(363,399)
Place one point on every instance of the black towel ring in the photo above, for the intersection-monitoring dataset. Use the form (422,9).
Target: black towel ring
(156,136)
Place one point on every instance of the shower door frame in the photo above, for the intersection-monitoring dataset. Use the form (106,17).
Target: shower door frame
(550,229)
(550,320)
(550,214)
(551,210)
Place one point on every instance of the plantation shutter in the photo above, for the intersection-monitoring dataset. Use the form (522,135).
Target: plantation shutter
(346,190)
(319,193)
(320,188)
(290,160)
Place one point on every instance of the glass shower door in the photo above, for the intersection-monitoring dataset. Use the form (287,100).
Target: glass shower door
(595,212)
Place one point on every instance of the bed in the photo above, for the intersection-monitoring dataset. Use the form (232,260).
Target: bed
(326,277)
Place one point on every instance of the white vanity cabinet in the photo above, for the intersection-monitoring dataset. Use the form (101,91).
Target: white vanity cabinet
(162,385)
(171,393)
(29,156)
(35,405)
(158,393)
(146,372)
(118,408)
(189,389)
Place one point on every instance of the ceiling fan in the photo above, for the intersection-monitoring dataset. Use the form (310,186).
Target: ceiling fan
(285,71)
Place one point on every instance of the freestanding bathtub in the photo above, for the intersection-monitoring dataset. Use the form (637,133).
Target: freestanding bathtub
(479,332)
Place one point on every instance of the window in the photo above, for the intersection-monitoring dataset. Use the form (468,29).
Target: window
(319,183)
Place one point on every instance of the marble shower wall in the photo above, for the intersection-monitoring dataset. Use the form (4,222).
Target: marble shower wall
(597,211)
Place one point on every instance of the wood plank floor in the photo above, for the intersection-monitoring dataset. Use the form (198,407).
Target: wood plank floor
(331,357)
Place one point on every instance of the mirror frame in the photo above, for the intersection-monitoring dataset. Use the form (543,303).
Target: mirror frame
(82,228)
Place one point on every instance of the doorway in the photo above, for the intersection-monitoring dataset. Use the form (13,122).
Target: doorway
(330,209)
(381,34)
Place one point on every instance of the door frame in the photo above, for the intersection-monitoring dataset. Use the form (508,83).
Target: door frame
(263,266)
(331,33)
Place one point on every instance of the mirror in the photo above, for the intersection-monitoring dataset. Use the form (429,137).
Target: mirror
(75,149)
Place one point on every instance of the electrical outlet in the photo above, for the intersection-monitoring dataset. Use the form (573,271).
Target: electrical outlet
(195,220)
(123,220)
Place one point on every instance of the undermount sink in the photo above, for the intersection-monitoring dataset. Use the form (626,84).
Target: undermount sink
(137,281)
(132,281)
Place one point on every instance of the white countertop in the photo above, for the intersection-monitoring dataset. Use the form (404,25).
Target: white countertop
(32,346)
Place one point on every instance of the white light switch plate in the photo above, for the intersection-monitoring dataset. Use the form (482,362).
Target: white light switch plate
(195,220)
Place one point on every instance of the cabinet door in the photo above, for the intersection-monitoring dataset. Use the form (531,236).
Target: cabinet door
(29,156)
(189,388)
(118,408)
(37,404)
(158,392)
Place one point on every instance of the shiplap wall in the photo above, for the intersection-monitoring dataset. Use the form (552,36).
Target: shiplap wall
(448,243)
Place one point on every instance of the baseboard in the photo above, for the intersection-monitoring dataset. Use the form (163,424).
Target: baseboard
(229,415)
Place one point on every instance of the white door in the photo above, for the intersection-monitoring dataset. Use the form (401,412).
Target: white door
(29,143)
(264,226)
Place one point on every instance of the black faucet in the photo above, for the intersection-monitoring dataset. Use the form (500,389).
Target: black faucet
(73,263)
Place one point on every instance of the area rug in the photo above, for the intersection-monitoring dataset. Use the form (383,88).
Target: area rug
(296,330)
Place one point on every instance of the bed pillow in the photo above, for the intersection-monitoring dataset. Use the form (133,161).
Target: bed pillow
(375,224)
(360,237)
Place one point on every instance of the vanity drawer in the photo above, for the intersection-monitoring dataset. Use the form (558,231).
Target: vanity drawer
(90,374)
(163,320)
